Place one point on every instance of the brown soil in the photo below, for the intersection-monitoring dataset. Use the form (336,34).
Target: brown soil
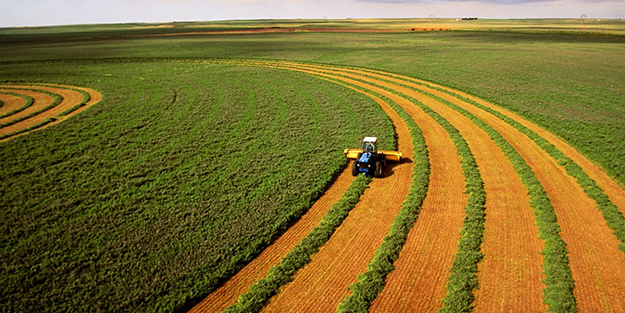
(40,102)
(510,274)
(232,289)
(10,103)
(70,99)
(323,283)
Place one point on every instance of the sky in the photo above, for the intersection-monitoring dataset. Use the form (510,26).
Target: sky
(63,12)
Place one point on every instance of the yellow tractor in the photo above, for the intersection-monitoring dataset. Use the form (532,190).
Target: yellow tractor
(369,160)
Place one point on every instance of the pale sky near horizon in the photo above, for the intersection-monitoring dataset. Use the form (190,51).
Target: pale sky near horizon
(63,12)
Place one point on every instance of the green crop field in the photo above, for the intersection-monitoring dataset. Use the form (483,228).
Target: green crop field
(189,168)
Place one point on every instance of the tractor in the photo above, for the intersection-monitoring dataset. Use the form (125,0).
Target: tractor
(370,161)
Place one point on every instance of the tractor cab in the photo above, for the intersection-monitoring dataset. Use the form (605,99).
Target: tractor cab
(370,145)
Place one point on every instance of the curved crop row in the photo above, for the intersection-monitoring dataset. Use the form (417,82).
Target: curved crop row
(462,278)
(56,101)
(260,292)
(28,101)
(560,285)
(614,217)
(371,282)
(564,270)
(53,103)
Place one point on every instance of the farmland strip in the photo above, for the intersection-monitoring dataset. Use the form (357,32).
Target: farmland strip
(371,282)
(449,194)
(612,190)
(493,161)
(596,289)
(513,256)
(454,194)
(260,292)
(46,110)
(353,243)
(16,103)
(227,294)
(40,101)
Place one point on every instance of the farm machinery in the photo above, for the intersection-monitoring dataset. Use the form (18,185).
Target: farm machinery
(370,160)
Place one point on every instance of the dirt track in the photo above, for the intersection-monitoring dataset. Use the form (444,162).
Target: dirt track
(40,108)
(511,272)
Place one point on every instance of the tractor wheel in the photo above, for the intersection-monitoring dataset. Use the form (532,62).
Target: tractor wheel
(378,169)
(355,168)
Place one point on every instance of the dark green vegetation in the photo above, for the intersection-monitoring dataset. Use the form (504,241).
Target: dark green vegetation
(144,203)
(259,293)
(175,180)
(371,282)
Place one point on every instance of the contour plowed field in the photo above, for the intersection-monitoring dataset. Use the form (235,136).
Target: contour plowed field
(511,274)
(50,104)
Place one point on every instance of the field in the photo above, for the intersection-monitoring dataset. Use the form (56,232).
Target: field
(179,169)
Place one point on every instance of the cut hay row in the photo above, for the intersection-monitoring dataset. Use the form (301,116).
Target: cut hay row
(455,196)
(322,284)
(14,103)
(44,105)
(261,291)
(517,223)
(576,230)
(528,166)
(228,294)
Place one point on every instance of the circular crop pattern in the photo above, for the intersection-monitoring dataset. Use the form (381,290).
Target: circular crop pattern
(31,107)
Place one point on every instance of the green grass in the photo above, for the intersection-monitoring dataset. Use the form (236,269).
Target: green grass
(127,202)
(568,83)
(175,180)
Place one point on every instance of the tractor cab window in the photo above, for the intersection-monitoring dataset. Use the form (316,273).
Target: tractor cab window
(369,147)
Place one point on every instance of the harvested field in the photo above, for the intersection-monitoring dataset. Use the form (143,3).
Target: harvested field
(11,103)
(353,244)
(510,275)
(45,109)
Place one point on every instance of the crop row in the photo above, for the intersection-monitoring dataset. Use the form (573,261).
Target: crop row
(28,101)
(57,99)
(371,282)
(559,281)
(259,293)
(611,213)
(462,279)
